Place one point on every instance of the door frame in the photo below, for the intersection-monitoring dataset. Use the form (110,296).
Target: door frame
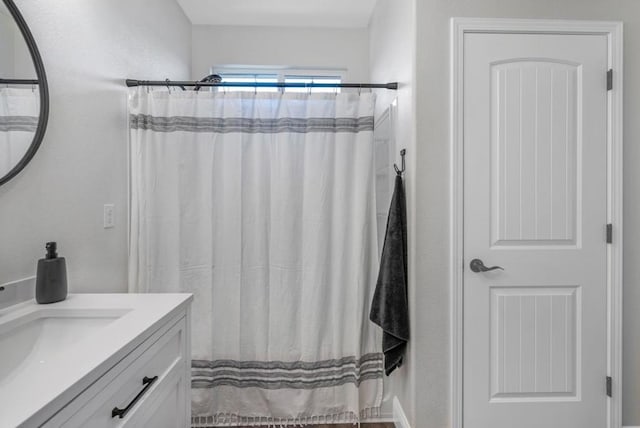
(613,31)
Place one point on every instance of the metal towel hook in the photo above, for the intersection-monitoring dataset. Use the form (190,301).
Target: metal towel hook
(400,171)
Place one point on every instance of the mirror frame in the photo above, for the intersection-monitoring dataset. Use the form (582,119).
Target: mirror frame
(43,88)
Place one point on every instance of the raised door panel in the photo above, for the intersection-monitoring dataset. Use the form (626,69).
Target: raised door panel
(535,332)
(535,134)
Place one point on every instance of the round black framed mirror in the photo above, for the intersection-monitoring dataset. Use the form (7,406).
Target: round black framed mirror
(24,94)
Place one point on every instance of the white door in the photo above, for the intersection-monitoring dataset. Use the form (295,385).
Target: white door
(535,199)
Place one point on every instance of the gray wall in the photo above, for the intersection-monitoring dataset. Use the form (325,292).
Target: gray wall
(7,43)
(392,59)
(278,46)
(432,191)
(88,48)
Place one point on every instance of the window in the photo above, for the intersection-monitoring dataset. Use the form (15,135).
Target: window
(312,79)
(278,74)
(248,78)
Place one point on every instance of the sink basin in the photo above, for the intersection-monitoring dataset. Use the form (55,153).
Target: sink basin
(38,337)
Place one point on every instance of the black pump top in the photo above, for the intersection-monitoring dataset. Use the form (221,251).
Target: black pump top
(51,250)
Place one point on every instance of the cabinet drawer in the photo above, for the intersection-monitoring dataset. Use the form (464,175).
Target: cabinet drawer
(166,407)
(161,361)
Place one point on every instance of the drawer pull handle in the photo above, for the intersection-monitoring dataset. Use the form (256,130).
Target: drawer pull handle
(147,382)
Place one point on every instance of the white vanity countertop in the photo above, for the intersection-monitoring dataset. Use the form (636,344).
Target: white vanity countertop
(32,395)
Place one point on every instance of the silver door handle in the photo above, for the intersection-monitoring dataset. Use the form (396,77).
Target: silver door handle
(476,265)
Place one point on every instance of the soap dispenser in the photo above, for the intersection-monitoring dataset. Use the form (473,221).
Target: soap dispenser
(51,279)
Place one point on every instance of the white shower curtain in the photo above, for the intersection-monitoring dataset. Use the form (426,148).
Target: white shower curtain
(263,206)
(19,115)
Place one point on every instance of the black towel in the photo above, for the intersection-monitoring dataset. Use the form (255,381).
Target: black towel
(390,306)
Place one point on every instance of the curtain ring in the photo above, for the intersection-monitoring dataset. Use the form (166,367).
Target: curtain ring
(167,82)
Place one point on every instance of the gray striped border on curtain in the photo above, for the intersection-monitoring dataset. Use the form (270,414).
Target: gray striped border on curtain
(280,374)
(19,123)
(249,125)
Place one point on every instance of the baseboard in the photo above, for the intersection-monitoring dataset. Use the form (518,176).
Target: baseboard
(399,418)
(628,426)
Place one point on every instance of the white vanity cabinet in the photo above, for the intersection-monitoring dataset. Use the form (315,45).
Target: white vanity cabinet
(148,388)
(147,385)
(97,361)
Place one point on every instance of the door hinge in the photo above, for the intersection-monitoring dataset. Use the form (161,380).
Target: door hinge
(609,386)
(609,233)
(609,79)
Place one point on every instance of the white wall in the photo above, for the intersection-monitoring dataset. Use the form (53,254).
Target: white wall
(306,47)
(432,186)
(7,43)
(23,64)
(16,59)
(88,48)
(392,59)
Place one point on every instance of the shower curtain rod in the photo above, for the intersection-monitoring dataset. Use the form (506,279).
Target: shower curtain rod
(133,82)
(19,81)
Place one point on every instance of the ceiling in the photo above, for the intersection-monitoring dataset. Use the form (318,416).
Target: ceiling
(280,13)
